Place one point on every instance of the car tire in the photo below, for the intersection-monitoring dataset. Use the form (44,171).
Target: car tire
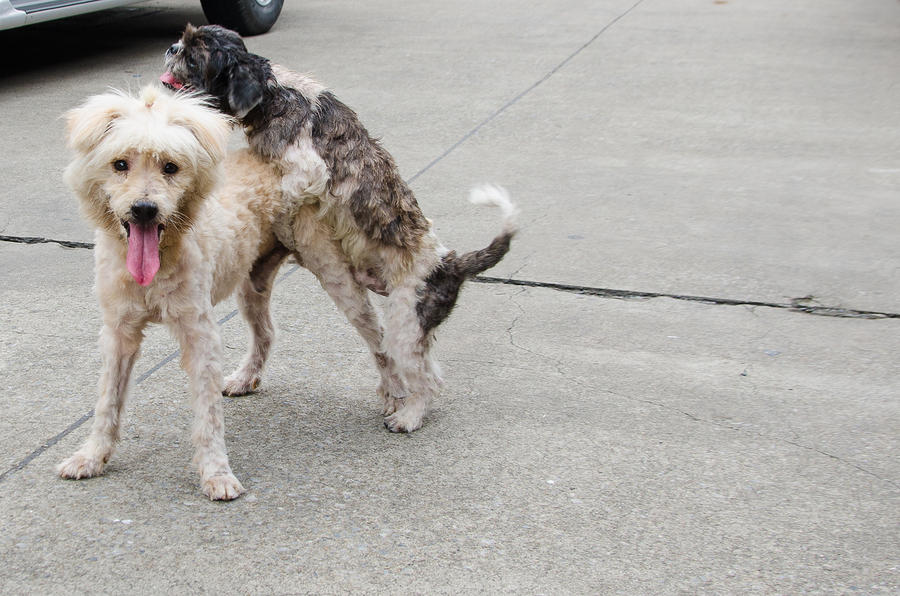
(247,17)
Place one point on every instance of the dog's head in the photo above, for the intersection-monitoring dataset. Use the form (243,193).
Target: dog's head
(214,60)
(143,167)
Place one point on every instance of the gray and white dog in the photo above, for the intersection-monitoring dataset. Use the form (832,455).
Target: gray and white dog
(348,217)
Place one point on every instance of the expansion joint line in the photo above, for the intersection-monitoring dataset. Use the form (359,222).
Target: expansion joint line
(29,240)
(803,305)
(516,99)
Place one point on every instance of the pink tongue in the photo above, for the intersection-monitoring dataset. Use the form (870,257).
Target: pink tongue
(169,79)
(143,252)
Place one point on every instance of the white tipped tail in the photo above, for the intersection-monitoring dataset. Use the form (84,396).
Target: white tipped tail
(496,196)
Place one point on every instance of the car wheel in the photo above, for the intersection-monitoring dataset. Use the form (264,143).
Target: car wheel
(247,17)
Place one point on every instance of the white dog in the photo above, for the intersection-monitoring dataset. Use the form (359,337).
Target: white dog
(172,240)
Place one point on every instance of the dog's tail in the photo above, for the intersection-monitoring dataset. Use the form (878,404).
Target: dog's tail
(442,286)
(475,262)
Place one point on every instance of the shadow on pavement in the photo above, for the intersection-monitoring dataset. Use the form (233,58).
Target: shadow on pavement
(66,41)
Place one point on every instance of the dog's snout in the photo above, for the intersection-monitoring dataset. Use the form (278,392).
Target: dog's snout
(172,50)
(144,212)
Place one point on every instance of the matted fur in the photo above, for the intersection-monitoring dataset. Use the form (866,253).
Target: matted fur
(210,234)
(350,218)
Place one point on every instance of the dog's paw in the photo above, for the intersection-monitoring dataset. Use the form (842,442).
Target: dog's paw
(222,488)
(406,420)
(236,385)
(391,405)
(79,466)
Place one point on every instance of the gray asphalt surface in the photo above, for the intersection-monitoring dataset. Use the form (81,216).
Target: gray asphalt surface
(682,379)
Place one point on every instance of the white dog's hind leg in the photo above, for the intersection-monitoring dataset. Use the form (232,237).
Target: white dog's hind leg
(120,343)
(201,356)
(254,307)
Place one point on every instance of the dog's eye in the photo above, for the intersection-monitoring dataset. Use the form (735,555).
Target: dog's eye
(120,165)
(170,168)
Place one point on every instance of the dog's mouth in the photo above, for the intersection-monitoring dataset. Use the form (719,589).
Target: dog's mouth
(173,83)
(143,250)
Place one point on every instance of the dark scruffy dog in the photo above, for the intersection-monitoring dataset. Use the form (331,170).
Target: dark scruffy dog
(349,217)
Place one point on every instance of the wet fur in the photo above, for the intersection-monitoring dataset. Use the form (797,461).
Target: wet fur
(350,218)
(218,213)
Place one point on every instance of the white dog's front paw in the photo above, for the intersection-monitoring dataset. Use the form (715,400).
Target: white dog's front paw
(238,384)
(79,466)
(224,487)
(405,420)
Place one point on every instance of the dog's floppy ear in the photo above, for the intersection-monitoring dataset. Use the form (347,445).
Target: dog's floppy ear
(238,86)
(245,89)
(216,68)
(89,123)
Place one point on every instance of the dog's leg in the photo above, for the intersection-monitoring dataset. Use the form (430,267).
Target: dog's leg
(353,301)
(322,255)
(253,302)
(120,343)
(391,389)
(410,348)
(201,357)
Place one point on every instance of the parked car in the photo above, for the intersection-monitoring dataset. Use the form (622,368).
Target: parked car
(247,17)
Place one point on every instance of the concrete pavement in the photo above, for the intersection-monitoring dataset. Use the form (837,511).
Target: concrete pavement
(746,154)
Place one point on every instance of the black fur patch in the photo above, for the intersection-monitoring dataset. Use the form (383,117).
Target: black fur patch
(437,300)
(265,267)
(478,261)
(278,120)
(442,286)
(383,206)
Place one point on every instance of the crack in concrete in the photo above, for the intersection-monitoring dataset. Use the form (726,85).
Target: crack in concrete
(695,418)
(561,366)
(805,304)
(30,240)
(843,461)
(512,341)
(763,436)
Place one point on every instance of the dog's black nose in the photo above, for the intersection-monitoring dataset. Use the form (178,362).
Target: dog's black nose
(172,50)
(144,212)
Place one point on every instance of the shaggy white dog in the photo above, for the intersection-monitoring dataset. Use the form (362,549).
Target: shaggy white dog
(171,241)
